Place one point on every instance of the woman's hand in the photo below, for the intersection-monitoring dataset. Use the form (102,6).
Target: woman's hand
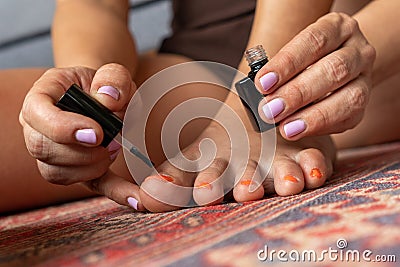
(65,144)
(319,83)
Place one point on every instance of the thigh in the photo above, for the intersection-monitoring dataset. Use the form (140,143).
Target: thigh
(21,186)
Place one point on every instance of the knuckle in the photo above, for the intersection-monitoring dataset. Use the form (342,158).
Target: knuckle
(358,98)
(300,94)
(369,52)
(350,22)
(38,146)
(336,18)
(316,38)
(287,63)
(52,174)
(337,69)
(320,118)
(26,110)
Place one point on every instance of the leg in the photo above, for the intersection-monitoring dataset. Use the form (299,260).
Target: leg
(21,185)
(297,165)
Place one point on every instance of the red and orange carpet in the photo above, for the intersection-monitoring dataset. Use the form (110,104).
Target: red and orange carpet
(358,210)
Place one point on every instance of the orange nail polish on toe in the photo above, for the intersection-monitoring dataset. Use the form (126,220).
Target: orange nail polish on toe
(204,185)
(316,173)
(167,177)
(290,178)
(246,182)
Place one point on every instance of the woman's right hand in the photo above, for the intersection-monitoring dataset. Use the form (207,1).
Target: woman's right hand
(67,145)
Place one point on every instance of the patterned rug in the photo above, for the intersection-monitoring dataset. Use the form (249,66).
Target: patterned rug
(352,221)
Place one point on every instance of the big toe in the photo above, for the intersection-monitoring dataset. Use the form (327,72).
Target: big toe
(316,167)
(168,190)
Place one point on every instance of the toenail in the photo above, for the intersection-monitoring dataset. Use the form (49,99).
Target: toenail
(316,173)
(246,182)
(291,178)
(166,177)
(295,127)
(204,185)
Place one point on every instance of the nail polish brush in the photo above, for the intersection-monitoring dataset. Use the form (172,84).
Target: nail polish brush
(77,101)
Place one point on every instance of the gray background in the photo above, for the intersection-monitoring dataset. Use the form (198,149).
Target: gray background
(25,25)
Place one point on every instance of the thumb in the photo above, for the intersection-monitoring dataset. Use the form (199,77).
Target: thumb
(112,86)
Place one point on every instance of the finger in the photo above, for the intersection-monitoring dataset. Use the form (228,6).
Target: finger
(113,86)
(39,110)
(325,76)
(66,175)
(44,149)
(209,185)
(324,117)
(314,42)
(118,189)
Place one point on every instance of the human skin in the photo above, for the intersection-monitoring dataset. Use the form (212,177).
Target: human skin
(320,148)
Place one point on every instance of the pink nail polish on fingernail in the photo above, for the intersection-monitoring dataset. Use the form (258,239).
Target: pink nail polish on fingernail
(113,146)
(133,202)
(87,136)
(268,80)
(114,155)
(295,127)
(109,90)
(273,108)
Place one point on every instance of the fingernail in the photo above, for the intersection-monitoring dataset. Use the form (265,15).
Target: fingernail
(167,178)
(290,178)
(114,155)
(273,108)
(87,136)
(113,146)
(109,90)
(316,173)
(268,80)
(295,127)
(204,185)
(133,202)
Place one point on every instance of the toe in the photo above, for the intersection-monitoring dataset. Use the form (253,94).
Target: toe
(288,176)
(249,187)
(169,189)
(209,187)
(316,167)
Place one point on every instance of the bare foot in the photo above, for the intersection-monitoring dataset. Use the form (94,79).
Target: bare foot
(299,165)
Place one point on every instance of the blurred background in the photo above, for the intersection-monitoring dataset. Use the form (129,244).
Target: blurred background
(25,29)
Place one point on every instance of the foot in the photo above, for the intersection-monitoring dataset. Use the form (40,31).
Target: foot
(304,164)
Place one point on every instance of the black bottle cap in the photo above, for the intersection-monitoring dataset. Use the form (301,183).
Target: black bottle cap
(77,101)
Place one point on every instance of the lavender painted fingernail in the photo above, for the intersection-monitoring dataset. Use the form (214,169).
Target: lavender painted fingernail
(113,146)
(273,108)
(133,202)
(109,90)
(87,136)
(114,155)
(295,127)
(268,80)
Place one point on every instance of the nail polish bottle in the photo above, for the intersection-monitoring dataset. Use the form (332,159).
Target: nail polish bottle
(248,92)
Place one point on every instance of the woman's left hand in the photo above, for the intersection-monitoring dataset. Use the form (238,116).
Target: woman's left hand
(319,83)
